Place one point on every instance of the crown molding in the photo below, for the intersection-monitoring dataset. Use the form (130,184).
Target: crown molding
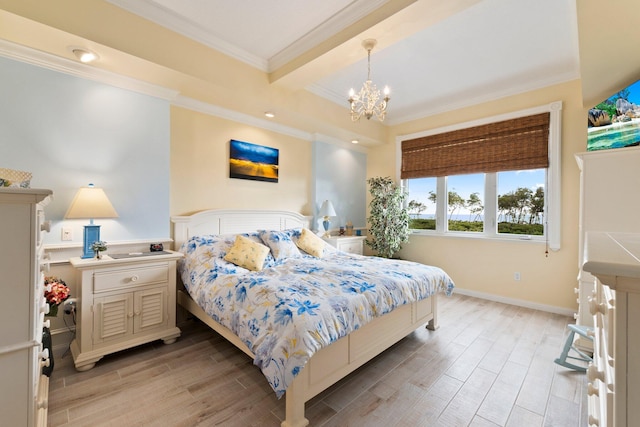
(224,113)
(168,19)
(338,22)
(78,69)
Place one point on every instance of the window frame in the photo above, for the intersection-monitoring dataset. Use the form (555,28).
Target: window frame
(552,188)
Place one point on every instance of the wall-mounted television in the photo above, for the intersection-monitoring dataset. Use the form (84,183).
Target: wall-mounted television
(615,122)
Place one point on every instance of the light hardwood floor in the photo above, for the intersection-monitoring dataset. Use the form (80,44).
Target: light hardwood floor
(489,364)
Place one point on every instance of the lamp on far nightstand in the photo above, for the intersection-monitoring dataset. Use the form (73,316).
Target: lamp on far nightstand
(326,211)
(90,203)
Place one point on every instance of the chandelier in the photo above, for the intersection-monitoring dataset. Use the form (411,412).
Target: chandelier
(368,101)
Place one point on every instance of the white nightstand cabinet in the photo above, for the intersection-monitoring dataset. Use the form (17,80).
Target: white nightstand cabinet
(351,244)
(123,303)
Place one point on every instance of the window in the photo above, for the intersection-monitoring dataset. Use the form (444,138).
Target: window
(422,203)
(497,177)
(465,203)
(521,202)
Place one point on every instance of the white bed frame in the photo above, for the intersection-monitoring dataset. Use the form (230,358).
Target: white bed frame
(330,364)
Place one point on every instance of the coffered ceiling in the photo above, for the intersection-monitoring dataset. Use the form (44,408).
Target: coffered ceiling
(434,55)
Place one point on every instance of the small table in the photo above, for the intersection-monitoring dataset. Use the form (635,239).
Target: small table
(123,302)
(350,244)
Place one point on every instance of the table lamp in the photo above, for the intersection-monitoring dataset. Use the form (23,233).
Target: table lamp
(90,203)
(326,211)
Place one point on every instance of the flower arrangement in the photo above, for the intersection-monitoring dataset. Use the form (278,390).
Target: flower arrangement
(55,292)
(98,247)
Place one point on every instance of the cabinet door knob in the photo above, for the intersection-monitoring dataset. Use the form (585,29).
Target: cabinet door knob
(43,404)
(134,278)
(130,315)
(594,374)
(596,308)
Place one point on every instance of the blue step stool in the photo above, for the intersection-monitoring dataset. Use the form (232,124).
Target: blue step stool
(583,331)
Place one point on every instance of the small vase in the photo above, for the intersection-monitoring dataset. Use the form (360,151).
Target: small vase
(53,310)
(98,256)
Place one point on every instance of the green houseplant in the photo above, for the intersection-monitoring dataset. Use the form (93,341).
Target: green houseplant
(389,219)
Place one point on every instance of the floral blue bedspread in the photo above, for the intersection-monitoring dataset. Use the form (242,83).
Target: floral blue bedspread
(297,305)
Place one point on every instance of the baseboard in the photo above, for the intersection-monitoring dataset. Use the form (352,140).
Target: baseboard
(61,338)
(517,302)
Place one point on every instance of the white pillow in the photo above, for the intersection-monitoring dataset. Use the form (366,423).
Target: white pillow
(280,243)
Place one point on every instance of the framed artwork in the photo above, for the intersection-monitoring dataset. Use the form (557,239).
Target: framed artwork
(251,161)
(615,122)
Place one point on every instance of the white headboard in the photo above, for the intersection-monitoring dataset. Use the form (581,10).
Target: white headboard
(226,221)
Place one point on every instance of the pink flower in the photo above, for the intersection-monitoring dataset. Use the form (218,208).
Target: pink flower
(56,291)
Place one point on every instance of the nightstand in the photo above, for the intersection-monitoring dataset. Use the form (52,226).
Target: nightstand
(122,303)
(351,244)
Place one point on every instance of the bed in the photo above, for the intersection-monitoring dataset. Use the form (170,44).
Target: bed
(336,310)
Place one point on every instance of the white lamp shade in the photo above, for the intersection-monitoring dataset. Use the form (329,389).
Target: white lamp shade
(327,209)
(90,203)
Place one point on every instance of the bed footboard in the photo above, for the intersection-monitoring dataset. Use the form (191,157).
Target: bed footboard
(344,356)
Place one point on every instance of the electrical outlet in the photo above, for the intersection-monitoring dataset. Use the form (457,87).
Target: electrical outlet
(67,234)
(516,276)
(70,305)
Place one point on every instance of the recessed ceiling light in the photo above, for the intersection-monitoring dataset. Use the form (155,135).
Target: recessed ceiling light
(269,114)
(354,141)
(84,55)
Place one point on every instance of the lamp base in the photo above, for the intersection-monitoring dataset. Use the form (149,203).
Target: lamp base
(91,234)
(325,225)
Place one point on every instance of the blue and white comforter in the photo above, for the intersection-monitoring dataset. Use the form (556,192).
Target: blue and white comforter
(295,306)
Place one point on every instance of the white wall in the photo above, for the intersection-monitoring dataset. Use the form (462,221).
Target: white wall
(340,176)
(69,132)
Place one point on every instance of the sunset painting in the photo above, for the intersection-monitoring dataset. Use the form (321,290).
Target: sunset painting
(251,161)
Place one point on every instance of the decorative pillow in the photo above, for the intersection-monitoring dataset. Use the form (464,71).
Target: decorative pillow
(247,253)
(310,243)
(282,247)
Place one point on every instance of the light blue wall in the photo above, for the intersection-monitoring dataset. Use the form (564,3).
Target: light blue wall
(70,131)
(340,176)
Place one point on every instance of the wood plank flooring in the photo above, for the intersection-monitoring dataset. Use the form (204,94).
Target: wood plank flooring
(489,364)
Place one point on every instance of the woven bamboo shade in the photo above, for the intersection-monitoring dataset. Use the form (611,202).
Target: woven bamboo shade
(515,144)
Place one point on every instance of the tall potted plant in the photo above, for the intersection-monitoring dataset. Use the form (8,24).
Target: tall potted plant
(389,219)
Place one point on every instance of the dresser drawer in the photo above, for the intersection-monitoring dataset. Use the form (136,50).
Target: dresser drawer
(108,280)
(351,247)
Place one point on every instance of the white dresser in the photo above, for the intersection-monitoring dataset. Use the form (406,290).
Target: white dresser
(614,374)
(609,181)
(23,389)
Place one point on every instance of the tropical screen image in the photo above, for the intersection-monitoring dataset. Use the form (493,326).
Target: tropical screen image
(251,161)
(615,122)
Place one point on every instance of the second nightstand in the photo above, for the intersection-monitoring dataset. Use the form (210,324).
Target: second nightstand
(123,303)
(351,244)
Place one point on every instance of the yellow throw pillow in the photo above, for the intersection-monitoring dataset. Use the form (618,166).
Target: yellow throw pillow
(247,254)
(310,243)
